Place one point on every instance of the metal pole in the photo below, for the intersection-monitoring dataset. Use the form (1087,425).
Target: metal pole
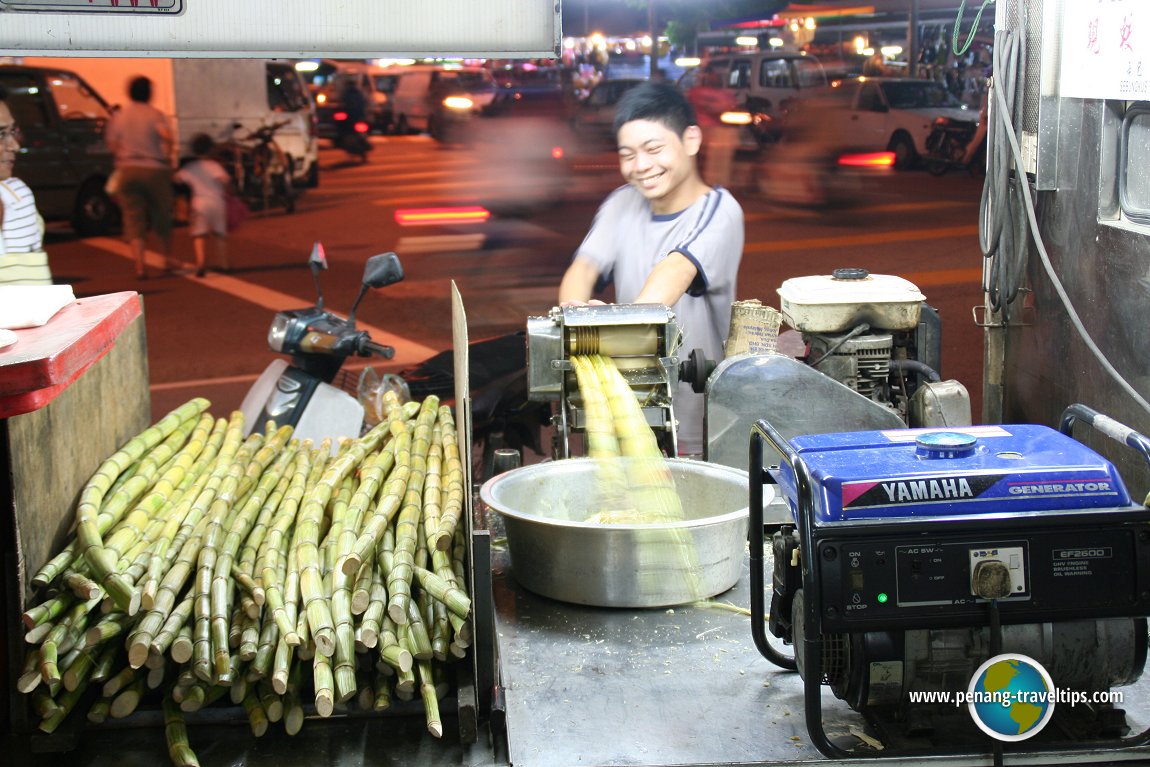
(912,41)
(654,38)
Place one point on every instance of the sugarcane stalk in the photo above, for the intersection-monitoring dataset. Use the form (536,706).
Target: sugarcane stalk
(453,482)
(213,598)
(65,702)
(98,711)
(177,526)
(369,626)
(182,644)
(29,678)
(417,635)
(451,595)
(407,524)
(323,683)
(390,500)
(276,448)
(176,735)
(246,567)
(293,707)
(312,593)
(175,621)
(430,701)
(249,635)
(261,662)
(271,702)
(105,661)
(128,699)
(391,651)
(91,544)
(276,543)
(382,693)
(257,717)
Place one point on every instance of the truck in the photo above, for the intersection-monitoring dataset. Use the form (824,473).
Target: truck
(224,98)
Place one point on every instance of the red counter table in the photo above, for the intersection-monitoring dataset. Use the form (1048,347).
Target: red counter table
(71,392)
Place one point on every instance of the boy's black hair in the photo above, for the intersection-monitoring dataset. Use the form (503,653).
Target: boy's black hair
(140,89)
(659,102)
(202,145)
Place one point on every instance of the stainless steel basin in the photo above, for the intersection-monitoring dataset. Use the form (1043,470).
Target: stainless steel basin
(557,554)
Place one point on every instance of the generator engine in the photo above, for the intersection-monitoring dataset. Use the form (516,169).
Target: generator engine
(874,334)
(915,555)
(642,339)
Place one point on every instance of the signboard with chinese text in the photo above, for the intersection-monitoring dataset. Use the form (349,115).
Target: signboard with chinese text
(1106,49)
(355,29)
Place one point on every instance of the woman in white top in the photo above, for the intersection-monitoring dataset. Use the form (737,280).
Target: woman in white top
(22,257)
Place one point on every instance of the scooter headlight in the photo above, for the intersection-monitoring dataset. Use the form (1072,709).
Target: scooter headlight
(277,333)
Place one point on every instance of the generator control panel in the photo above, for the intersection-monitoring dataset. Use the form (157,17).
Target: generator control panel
(1032,574)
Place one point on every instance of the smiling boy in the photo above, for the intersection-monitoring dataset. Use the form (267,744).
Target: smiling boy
(666,237)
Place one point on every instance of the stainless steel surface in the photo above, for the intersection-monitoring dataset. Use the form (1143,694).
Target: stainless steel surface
(595,686)
(557,554)
(940,403)
(797,398)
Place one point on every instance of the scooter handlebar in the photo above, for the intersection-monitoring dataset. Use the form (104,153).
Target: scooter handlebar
(369,347)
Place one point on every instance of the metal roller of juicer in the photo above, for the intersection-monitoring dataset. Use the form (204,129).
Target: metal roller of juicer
(642,339)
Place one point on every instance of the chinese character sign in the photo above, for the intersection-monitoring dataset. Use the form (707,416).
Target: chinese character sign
(1106,49)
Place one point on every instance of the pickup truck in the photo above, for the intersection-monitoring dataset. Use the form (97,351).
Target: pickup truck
(63,157)
(894,114)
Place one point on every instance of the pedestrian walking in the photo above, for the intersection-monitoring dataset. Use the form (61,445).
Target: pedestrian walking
(209,183)
(142,144)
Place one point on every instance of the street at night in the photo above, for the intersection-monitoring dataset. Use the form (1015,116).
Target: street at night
(207,337)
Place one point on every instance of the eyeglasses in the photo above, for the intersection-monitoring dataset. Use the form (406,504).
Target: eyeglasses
(11,132)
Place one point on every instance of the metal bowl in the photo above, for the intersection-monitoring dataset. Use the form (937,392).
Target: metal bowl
(557,554)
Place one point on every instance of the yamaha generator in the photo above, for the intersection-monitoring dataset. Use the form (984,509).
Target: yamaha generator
(916,555)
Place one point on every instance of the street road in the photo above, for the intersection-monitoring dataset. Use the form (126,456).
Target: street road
(207,336)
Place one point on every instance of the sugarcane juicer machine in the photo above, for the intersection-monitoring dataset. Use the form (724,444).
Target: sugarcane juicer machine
(642,339)
(915,555)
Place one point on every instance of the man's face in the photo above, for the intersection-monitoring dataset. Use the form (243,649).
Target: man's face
(9,144)
(657,161)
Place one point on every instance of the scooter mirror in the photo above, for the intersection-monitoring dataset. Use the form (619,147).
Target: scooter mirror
(317,262)
(381,270)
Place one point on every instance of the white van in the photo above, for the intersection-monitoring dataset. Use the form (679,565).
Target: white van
(213,95)
(766,82)
(420,88)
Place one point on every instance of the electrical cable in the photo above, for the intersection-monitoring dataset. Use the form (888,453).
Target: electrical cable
(998,241)
(954,45)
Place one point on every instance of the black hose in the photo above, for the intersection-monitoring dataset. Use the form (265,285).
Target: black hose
(914,366)
(1001,216)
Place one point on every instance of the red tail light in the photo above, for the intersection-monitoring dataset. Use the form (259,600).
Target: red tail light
(557,152)
(339,116)
(867,160)
(362,127)
(425,216)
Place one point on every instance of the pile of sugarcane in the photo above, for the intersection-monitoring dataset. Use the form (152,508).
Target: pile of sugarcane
(207,565)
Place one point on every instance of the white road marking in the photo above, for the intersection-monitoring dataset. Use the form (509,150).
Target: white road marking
(406,350)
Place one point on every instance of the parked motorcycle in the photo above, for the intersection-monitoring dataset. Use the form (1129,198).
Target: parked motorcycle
(946,145)
(305,393)
(260,170)
(319,342)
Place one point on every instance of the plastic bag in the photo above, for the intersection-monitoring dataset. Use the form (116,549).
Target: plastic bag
(237,211)
(370,393)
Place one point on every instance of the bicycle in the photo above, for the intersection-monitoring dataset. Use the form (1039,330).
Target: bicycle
(259,168)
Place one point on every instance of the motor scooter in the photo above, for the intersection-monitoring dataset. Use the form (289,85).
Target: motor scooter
(947,143)
(301,394)
(351,135)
